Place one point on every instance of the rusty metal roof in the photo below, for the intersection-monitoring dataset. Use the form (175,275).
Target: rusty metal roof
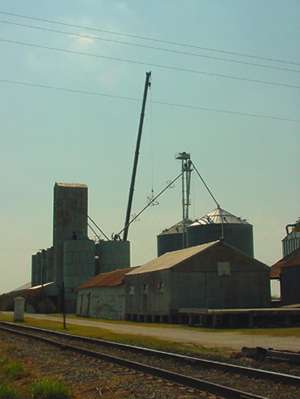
(170,259)
(110,279)
(293,259)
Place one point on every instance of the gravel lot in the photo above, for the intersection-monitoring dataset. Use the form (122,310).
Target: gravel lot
(91,378)
(265,388)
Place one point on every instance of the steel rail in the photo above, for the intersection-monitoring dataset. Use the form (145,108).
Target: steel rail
(196,383)
(195,361)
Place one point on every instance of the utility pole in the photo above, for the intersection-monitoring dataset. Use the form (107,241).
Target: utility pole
(136,156)
(186,169)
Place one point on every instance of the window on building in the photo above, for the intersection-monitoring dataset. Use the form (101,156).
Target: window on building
(145,289)
(161,286)
(131,290)
(224,269)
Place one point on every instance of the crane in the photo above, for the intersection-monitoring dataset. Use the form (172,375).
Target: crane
(136,157)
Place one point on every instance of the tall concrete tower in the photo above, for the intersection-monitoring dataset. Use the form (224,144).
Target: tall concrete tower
(70,219)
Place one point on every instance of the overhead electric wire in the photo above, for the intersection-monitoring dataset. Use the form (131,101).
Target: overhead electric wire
(148,64)
(152,39)
(132,99)
(179,52)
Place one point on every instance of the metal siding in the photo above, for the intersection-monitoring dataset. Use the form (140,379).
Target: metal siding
(155,302)
(169,242)
(290,281)
(239,236)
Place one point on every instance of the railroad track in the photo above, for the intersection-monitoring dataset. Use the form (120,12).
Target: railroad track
(70,342)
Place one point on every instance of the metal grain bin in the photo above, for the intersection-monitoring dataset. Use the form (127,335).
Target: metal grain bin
(292,240)
(236,231)
(171,239)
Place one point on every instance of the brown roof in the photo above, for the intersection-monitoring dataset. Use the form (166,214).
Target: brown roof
(170,259)
(290,260)
(110,279)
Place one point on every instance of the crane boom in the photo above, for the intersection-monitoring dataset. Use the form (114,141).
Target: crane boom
(136,157)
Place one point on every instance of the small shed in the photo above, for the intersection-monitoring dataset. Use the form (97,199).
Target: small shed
(287,271)
(103,296)
(209,276)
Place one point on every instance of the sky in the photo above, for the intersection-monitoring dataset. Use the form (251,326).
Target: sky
(48,135)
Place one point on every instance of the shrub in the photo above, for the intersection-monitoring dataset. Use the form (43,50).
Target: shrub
(14,370)
(3,360)
(7,392)
(49,389)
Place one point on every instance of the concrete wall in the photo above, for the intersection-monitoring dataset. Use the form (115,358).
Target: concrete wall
(102,303)
(290,280)
(49,266)
(113,255)
(35,270)
(79,266)
(70,210)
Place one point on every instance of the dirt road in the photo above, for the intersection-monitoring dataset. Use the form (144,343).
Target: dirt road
(213,338)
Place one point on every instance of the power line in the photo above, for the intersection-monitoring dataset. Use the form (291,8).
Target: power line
(161,66)
(152,39)
(66,89)
(132,99)
(186,53)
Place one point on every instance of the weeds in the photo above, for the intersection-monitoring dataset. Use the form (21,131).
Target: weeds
(7,392)
(49,389)
(14,370)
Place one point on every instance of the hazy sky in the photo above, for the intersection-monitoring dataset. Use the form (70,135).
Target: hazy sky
(252,164)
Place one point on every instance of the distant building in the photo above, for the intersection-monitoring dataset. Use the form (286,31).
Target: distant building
(208,276)
(291,241)
(103,296)
(73,258)
(287,271)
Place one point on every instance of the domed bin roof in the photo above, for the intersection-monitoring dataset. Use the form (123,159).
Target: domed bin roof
(220,224)
(218,216)
(176,228)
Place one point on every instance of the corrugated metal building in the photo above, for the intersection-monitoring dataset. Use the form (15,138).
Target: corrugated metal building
(103,296)
(208,276)
(287,271)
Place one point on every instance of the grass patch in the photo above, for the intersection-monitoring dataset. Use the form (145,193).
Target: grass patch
(7,392)
(6,316)
(272,331)
(132,339)
(13,370)
(49,389)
